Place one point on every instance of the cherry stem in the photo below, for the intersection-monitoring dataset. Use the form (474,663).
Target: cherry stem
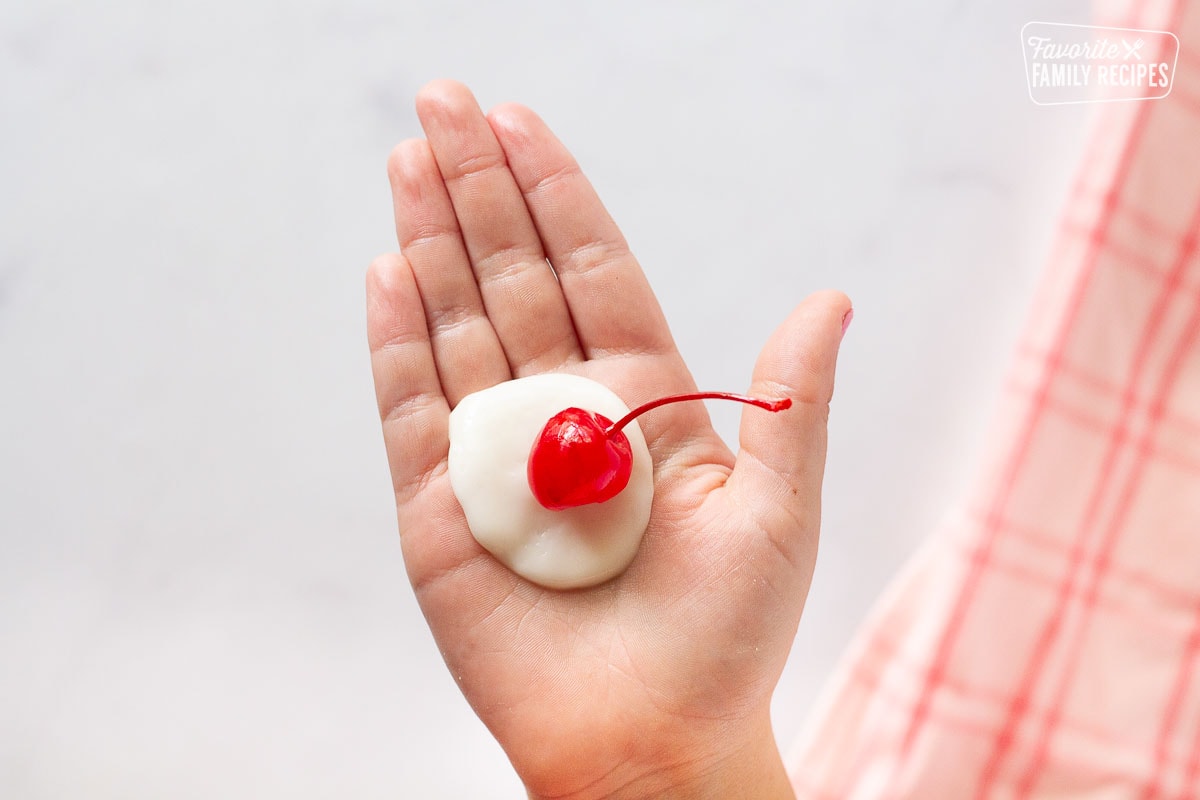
(768,405)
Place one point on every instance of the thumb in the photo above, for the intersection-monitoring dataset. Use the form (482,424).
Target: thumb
(781,462)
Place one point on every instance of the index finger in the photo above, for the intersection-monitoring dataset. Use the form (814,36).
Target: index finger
(611,302)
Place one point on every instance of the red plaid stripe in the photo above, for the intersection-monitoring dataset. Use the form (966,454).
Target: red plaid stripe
(1048,642)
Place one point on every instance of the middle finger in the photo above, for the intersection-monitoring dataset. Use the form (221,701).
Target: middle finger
(519,289)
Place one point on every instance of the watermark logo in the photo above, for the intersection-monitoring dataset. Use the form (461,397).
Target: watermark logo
(1089,64)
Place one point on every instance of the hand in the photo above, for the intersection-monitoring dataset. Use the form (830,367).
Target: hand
(658,682)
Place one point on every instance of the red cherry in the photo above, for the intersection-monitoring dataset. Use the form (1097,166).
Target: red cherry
(582,457)
(575,460)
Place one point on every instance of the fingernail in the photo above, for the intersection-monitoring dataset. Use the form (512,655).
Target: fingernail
(846,320)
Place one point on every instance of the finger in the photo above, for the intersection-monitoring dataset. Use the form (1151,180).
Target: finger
(411,404)
(522,297)
(415,419)
(610,300)
(465,346)
(782,458)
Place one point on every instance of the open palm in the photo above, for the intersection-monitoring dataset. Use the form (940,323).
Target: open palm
(661,678)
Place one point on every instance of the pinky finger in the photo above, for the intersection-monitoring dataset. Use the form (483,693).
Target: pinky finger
(411,403)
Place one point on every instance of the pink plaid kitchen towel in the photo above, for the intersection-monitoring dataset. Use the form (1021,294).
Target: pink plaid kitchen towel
(1046,643)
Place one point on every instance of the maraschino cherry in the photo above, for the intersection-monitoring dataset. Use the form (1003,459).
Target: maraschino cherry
(582,457)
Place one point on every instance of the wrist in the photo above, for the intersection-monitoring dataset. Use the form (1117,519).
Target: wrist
(722,765)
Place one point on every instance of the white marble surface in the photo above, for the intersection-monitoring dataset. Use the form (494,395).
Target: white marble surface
(201,591)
